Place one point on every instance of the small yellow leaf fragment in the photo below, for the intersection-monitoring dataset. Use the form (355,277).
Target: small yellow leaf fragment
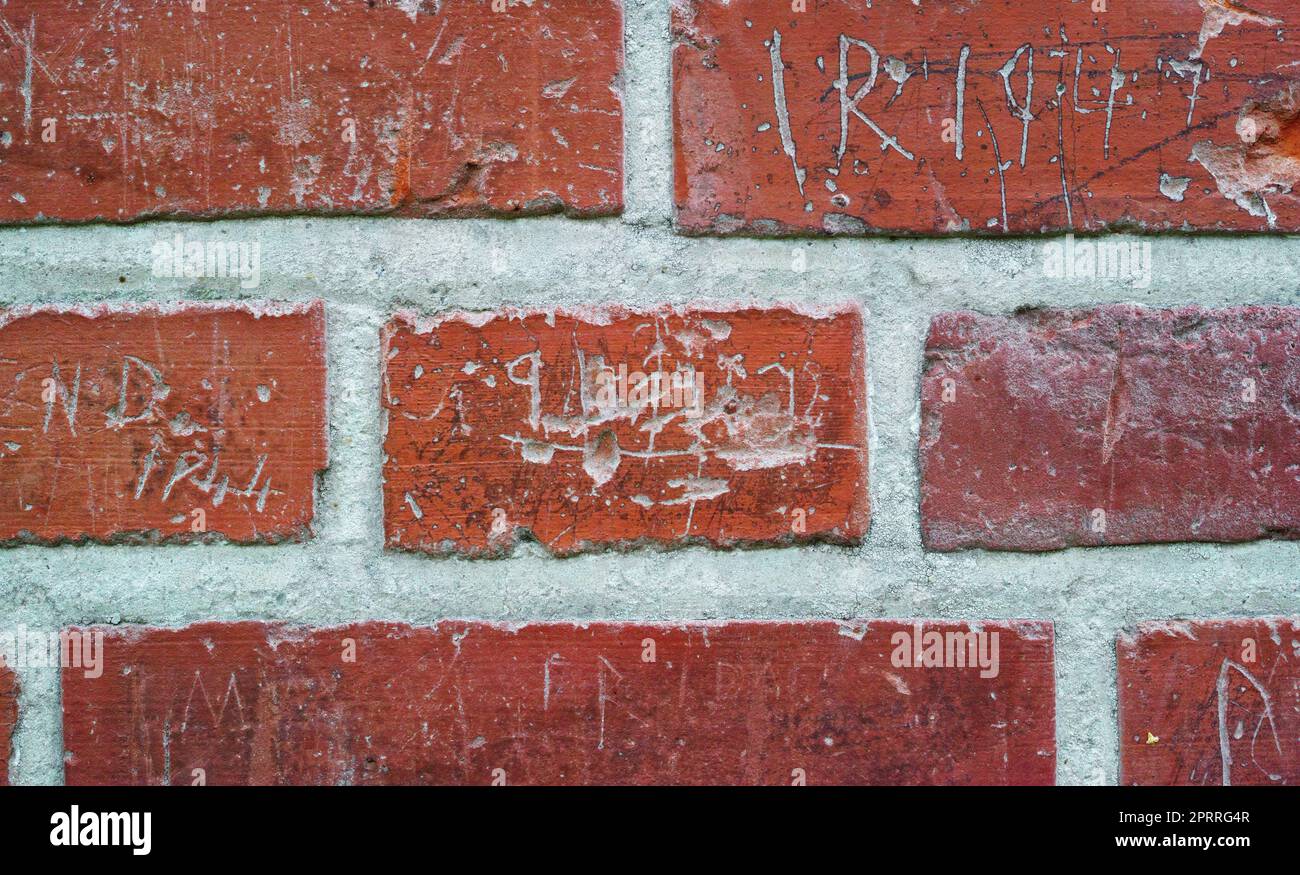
(1152,739)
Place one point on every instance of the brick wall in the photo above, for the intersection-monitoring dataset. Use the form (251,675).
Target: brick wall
(563,414)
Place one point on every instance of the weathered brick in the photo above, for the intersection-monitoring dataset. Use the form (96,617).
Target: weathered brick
(181,422)
(470,703)
(1119,425)
(993,117)
(8,718)
(1210,702)
(123,111)
(531,423)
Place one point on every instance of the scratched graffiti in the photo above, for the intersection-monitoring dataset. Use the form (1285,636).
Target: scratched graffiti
(727,426)
(991,117)
(121,422)
(1211,702)
(117,110)
(475,703)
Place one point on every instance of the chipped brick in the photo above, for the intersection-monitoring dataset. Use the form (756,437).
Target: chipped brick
(1119,425)
(8,718)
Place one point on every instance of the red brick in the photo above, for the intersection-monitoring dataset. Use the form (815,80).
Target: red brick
(735,703)
(396,106)
(1191,139)
(1210,702)
(1119,425)
(8,718)
(512,424)
(161,423)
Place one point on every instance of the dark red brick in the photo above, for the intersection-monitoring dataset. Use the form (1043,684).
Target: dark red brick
(1119,425)
(1163,114)
(1210,702)
(8,719)
(469,702)
(280,106)
(179,423)
(513,424)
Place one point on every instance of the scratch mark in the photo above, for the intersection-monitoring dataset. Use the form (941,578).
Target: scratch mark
(782,111)
(1021,112)
(997,157)
(961,100)
(1221,689)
